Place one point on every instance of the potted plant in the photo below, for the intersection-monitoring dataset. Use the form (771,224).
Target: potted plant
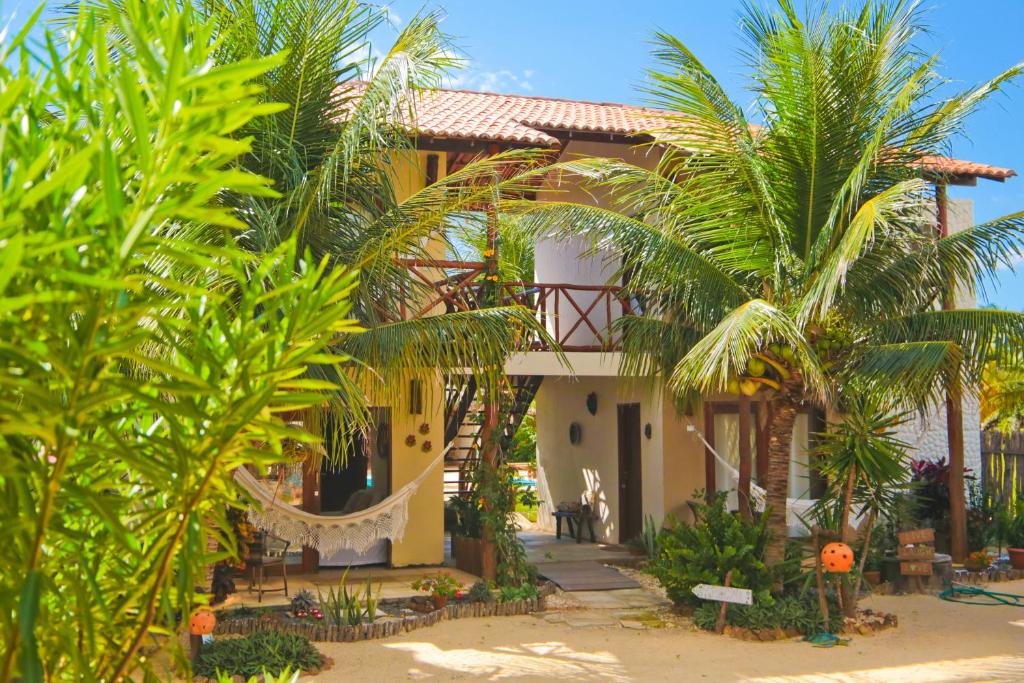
(978,561)
(1012,526)
(441,586)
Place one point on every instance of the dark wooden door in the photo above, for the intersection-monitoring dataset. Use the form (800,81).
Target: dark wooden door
(630,473)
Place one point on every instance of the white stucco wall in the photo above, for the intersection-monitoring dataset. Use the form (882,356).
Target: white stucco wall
(928,436)
(565,471)
(562,261)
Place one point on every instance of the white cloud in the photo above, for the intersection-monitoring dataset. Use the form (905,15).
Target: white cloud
(500,80)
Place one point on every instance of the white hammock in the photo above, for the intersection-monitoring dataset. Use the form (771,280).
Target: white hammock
(329,533)
(796,508)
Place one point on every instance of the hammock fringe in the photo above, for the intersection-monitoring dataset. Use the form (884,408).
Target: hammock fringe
(327,534)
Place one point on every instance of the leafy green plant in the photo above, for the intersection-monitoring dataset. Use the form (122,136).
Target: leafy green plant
(139,364)
(251,655)
(345,607)
(303,601)
(648,538)
(480,592)
(286,676)
(715,544)
(801,613)
(524,591)
(440,585)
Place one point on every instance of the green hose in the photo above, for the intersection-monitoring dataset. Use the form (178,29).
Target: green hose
(969,595)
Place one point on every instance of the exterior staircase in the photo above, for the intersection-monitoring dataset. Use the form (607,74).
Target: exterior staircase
(463,425)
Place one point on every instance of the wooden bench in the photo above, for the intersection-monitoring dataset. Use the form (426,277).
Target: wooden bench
(575,518)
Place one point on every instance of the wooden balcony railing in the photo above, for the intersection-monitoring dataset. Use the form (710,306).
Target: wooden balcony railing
(577,317)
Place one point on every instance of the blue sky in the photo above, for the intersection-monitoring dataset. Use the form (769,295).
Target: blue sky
(598,50)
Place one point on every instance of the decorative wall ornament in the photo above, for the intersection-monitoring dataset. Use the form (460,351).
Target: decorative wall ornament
(648,431)
(426,447)
(592,403)
(575,433)
(410,440)
(425,428)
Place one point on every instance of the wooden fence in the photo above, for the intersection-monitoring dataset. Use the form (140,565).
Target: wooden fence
(1002,465)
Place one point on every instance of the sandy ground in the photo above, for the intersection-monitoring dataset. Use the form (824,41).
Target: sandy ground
(936,642)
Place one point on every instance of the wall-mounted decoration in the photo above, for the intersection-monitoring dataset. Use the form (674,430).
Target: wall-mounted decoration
(424,428)
(648,431)
(426,447)
(410,440)
(575,433)
(592,403)
(415,397)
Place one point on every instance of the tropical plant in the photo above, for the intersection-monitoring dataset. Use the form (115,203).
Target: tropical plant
(865,465)
(286,676)
(339,155)
(790,612)
(799,256)
(272,652)
(140,367)
(303,601)
(717,543)
(344,607)
(512,592)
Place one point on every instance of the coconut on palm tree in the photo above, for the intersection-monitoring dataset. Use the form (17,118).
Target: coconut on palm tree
(793,252)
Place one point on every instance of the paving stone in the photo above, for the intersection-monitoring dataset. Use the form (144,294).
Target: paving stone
(635,625)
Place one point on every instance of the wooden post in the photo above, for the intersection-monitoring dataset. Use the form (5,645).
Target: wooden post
(820,578)
(720,624)
(954,414)
(743,487)
(489,459)
(710,484)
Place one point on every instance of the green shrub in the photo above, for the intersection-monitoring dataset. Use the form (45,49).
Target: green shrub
(704,552)
(524,591)
(249,656)
(480,592)
(797,612)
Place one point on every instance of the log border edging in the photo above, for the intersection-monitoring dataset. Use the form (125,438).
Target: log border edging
(321,632)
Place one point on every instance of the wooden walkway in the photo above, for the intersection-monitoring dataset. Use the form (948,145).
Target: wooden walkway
(585,575)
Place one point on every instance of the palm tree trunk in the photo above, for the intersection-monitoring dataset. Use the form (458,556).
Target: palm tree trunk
(849,599)
(780,439)
(489,459)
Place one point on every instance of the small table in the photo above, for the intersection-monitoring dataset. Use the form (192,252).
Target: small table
(575,520)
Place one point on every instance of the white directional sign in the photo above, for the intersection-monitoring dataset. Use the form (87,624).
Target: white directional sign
(740,596)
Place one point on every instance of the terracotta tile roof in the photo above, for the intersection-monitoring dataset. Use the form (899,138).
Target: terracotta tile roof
(465,114)
(472,115)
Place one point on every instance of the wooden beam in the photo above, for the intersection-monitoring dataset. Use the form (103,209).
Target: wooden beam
(743,487)
(430,177)
(710,481)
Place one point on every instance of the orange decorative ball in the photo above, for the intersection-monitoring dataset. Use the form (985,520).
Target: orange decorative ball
(837,558)
(202,622)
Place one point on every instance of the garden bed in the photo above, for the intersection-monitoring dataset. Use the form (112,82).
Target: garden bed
(866,623)
(399,616)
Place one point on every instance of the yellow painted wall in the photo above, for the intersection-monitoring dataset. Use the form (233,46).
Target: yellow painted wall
(423,542)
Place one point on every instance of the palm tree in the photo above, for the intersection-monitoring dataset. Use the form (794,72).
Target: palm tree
(799,256)
(335,147)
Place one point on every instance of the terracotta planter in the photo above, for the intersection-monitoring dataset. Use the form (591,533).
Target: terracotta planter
(1016,557)
(873,576)
(439,601)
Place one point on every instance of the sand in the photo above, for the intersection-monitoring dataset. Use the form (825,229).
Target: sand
(936,642)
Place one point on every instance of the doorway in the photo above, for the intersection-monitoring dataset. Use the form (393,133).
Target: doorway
(361,481)
(630,473)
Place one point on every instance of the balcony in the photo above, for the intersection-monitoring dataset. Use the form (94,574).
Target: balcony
(578,317)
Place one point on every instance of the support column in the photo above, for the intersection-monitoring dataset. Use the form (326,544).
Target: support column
(743,487)
(954,414)
(710,483)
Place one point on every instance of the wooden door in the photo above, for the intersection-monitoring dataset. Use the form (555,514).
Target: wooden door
(630,473)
